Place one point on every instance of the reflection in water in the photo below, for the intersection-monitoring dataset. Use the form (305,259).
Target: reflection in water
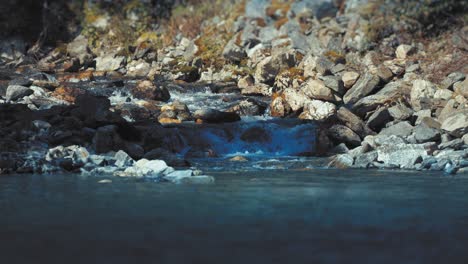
(269,216)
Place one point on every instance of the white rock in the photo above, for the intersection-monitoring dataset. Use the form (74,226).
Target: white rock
(403,51)
(422,91)
(318,110)
(349,79)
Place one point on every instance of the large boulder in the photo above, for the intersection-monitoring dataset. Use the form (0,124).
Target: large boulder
(363,87)
(352,121)
(295,99)
(268,68)
(425,134)
(78,48)
(248,107)
(457,124)
(401,129)
(109,62)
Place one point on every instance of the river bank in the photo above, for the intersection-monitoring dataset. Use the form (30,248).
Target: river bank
(364,94)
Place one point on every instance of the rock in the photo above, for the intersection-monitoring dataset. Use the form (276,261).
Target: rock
(363,87)
(343,134)
(384,73)
(248,107)
(342,161)
(15,92)
(456,144)
(382,140)
(400,112)
(21,81)
(202,179)
(430,122)
(451,79)
(268,68)
(279,107)
(443,94)
(105,181)
(152,168)
(352,121)
(238,159)
(109,62)
(421,94)
(256,134)
(215,116)
(295,99)
(340,149)
(404,156)
(457,124)
(324,65)
(316,89)
(461,88)
(233,52)
(318,110)
(365,160)
(177,176)
(379,119)
(69,158)
(403,51)
(106,139)
(425,134)
(138,68)
(335,83)
(134,150)
(401,129)
(149,91)
(122,159)
(259,89)
(349,79)
(78,48)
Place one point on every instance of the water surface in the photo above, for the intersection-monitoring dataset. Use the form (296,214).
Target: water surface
(248,216)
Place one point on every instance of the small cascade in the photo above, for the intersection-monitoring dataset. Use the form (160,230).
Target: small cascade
(250,137)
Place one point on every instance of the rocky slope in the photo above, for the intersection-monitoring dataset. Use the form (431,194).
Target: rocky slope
(384,95)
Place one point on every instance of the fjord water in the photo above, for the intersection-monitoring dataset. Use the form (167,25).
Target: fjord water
(248,216)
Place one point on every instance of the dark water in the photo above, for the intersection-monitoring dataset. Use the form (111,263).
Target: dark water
(269,216)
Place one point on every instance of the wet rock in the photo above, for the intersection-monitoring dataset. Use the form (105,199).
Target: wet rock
(122,159)
(421,94)
(318,110)
(177,111)
(343,134)
(279,107)
(340,149)
(352,121)
(170,158)
(215,116)
(238,159)
(256,134)
(401,129)
(316,89)
(342,161)
(148,90)
(363,87)
(365,160)
(15,92)
(349,79)
(69,158)
(202,179)
(145,168)
(457,124)
(107,139)
(404,156)
(248,107)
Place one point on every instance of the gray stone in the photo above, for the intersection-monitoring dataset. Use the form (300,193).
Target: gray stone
(109,62)
(340,149)
(79,48)
(391,92)
(233,52)
(457,124)
(455,144)
(402,129)
(365,160)
(363,87)
(461,88)
(404,156)
(122,159)
(342,161)
(451,79)
(425,134)
(382,140)
(15,92)
(422,93)
(335,83)
(400,112)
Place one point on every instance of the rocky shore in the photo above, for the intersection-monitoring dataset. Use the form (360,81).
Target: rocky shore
(381,96)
